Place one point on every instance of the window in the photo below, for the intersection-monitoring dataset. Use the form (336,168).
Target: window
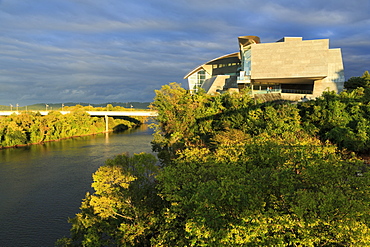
(201,77)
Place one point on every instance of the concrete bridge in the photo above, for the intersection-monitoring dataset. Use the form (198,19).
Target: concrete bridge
(134,113)
(105,114)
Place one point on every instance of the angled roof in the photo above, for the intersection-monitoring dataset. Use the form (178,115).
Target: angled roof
(248,40)
(235,54)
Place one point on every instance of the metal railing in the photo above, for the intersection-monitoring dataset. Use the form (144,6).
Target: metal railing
(267,91)
(278,90)
(296,91)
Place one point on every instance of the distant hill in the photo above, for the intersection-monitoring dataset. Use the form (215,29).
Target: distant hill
(58,106)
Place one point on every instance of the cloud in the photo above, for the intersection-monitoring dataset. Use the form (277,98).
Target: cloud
(94,51)
(304,16)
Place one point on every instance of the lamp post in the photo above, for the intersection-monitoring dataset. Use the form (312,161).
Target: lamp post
(17,106)
(46,107)
(11,107)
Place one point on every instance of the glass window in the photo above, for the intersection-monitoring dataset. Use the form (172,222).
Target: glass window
(201,77)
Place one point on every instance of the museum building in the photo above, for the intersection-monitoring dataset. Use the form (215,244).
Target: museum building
(291,67)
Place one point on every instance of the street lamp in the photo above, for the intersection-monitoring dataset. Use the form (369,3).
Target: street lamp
(17,106)
(11,107)
(46,107)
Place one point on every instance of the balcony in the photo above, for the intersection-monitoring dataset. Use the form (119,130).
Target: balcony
(245,79)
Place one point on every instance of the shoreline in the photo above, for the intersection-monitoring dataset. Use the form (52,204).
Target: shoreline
(56,140)
(65,138)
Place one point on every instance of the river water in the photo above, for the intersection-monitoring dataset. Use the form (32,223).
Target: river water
(41,186)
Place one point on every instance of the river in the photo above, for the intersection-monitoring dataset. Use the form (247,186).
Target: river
(41,186)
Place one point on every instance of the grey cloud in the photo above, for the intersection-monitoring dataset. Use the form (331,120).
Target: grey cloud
(304,16)
(93,51)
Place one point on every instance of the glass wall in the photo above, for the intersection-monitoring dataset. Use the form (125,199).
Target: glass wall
(196,80)
(266,88)
(246,65)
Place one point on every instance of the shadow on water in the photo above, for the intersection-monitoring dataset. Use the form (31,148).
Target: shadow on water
(41,186)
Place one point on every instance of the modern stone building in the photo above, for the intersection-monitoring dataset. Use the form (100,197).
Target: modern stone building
(291,67)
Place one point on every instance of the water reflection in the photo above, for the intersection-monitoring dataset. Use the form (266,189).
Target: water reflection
(42,185)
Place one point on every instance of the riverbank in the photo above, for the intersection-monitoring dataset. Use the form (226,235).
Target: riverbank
(65,138)
(30,129)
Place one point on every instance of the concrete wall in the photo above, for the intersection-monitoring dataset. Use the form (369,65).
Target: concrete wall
(294,58)
(290,59)
(282,96)
(335,79)
(296,97)
(215,83)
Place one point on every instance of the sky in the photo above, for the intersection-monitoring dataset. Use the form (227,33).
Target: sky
(98,51)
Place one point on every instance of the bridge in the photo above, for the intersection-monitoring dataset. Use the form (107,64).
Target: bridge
(105,114)
(134,113)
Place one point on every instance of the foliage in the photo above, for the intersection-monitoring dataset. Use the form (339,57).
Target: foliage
(236,172)
(192,120)
(120,212)
(360,81)
(253,179)
(343,119)
(28,128)
(183,119)
(265,191)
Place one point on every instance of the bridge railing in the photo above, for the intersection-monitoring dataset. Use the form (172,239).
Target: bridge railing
(144,113)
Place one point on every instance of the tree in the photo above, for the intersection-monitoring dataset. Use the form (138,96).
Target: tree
(30,128)
(238,172)
(121,210)
(265,191)
(252,182)
(366,76)
(356,82)
(182,119)
(343,119)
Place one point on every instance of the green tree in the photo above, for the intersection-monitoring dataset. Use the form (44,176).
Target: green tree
(236,172)
(122,210)
(180,115)
(30,128)
(343,119)
(360,81)
(264,191)
(14,135)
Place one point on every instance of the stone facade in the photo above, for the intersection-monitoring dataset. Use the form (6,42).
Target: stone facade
(292,67)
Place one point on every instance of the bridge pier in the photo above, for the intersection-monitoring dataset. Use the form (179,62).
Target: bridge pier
(106,123)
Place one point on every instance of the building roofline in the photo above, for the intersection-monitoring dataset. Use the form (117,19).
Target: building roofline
(248,40)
